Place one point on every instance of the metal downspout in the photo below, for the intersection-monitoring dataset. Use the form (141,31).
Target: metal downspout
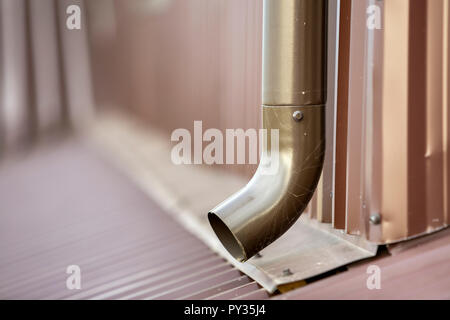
(293,97)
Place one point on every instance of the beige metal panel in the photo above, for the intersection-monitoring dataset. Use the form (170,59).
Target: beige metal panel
(356,108)
(394,121)
(414,120)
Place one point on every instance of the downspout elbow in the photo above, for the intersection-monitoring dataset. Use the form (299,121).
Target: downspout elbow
(294,96)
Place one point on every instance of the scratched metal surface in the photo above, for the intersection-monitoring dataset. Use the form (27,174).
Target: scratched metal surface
(62,205)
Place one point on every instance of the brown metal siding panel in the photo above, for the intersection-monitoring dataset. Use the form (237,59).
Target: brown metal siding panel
(356,106)
(417,97)
(401,138)
(342,115)
(396,134)
(446,105)
(413,120)
(434,115)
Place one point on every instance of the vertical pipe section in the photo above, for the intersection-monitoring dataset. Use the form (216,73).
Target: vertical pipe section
(293,97)
(294,53)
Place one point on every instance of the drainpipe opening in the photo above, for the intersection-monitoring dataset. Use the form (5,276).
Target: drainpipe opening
(227,238)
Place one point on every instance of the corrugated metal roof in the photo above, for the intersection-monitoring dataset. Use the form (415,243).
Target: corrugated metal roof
(63,205)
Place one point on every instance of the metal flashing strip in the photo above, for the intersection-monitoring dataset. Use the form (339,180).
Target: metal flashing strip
(308,249)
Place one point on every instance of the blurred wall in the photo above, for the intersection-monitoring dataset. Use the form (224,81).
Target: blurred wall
(45,74)
(173,62)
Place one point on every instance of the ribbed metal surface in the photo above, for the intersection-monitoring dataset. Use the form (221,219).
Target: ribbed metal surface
(63,205)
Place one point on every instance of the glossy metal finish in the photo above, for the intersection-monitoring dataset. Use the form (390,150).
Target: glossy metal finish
(294,52)
(270,203)
(294,81)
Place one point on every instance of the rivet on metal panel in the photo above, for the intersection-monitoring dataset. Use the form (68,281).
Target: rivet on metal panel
(297,115)
(375,218)
(287,272)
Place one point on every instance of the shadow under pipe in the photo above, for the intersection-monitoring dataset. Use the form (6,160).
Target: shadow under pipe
(294,97)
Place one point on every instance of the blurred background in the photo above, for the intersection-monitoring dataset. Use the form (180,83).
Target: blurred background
(167,62)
